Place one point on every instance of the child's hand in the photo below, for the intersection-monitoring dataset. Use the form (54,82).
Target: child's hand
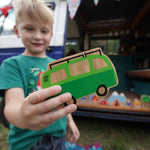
(36,113)
(73,132)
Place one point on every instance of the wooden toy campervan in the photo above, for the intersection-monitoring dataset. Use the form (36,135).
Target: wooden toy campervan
(81,74)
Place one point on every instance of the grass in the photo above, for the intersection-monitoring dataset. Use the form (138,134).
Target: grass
(113,135)
(3,137)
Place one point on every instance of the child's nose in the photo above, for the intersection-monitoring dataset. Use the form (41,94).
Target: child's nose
(37,35)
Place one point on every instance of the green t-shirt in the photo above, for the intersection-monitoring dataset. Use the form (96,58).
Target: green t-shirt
(24,71)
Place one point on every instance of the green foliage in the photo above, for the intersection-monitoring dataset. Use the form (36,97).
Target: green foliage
(112,47)
(69,47)
(3,138)
(108,46)
(72,44)
(118,144)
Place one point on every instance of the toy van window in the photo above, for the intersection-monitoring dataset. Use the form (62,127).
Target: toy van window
(79,68)
(99,63)
(58,76)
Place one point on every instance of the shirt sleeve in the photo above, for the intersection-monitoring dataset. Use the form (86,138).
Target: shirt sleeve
(10,76)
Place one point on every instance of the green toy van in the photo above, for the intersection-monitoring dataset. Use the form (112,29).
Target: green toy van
(82,74)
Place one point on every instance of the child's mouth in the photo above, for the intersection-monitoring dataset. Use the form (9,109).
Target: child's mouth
(37,44)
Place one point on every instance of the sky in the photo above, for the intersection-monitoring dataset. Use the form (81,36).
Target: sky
(4,2)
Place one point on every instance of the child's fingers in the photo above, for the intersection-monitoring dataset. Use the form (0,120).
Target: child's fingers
(43,94)
(52,116)
(46,119)
(52,103)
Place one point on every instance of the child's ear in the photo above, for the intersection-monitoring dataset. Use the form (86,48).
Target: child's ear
(16,31)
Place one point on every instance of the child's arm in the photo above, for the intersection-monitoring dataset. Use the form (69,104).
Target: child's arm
(73,132)
(34,112)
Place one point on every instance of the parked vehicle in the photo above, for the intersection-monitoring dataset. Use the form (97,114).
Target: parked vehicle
(10,45)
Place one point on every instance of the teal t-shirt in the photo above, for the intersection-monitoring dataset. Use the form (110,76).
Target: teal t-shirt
(24,72)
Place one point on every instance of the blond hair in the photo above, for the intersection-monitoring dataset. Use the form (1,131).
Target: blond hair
(34,10)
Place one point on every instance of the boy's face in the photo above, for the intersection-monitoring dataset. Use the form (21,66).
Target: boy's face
(35,36)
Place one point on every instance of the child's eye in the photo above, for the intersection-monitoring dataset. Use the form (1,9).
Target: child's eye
(29,29)
(44,31)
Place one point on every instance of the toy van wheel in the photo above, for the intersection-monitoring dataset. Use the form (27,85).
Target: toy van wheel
(72,101)
(101,90)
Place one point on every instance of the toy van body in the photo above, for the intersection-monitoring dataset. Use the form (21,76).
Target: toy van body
(82,74)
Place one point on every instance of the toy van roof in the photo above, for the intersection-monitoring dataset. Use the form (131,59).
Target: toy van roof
(96,51)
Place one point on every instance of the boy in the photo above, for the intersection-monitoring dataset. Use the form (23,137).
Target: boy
(35,123)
